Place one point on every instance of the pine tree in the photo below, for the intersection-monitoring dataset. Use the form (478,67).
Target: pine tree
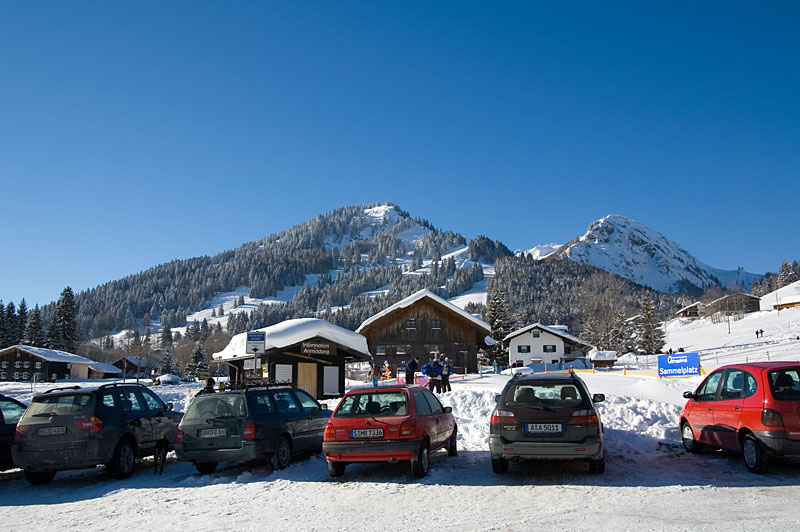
(11,325)
(34,330)
(165,341)
(3,344)
(65,318)
(650,336)
(786,275)
(221,311)
(499,318)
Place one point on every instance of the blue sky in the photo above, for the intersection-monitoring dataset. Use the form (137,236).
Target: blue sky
(133,133)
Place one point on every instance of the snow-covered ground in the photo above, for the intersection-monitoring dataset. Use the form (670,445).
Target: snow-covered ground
(650,483)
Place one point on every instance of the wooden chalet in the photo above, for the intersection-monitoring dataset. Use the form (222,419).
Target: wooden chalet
(423,324)
(738,303)
(308,353)
(695,310)
(26,363)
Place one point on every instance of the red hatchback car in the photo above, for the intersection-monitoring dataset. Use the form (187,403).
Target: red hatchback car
(388,424)
(749,408)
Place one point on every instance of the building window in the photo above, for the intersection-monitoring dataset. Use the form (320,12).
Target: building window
(5,363)
(16,375)
(380,350)
(567,350)
(436,324)
(401,350)
(25,375)
(536,334)
(3,375)
(26,364)
(38,365)
(54,377)
(37,376)
(434,349)
(523,349)
(17,364)
(411,324)
(549,348)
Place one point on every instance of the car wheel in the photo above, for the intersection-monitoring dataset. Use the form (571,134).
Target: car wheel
(39,477)
(452,447)
(121,464)
(689,441)
(282,454)
(597,466)
(205,468)
(420,466)
(336,469)
(500,465)
(754,454)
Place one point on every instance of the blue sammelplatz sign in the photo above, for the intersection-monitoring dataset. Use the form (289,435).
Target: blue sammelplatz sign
(679,365)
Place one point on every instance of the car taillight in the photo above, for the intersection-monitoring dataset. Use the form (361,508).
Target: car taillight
(329,434)
(503,416)
(179,439)
(408,429)
(584,416)
(22,430)
(771,418)
(249,432)
(93,424)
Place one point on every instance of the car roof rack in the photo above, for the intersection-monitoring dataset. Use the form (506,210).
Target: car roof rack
(112,384)
(76,387)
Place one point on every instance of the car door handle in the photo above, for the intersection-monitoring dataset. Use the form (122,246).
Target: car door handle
(736,407)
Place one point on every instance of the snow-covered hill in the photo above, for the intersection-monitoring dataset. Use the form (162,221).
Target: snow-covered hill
(623,246)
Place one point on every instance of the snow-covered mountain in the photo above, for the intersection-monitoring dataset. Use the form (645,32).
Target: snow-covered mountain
(623,246)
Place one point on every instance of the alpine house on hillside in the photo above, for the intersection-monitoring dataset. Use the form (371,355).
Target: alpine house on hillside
(24,362)
(423,324)
(541,344)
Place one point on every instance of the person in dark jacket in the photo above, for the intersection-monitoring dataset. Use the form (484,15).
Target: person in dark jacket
(433,369)
(447,370)
(411,367)
(209,387)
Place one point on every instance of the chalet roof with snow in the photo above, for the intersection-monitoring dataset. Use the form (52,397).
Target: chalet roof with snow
(552,330)
(291,332)
(133,362)
(606,356)
(104,367)
(418,296)
(48,355)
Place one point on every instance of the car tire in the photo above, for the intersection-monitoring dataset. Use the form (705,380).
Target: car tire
(282,455)
(123,461)
(500,465)
(755,455)
(420,466)
(690,443)
(37,478)
(597,467)
(205,468)
(336,469)
(452,446)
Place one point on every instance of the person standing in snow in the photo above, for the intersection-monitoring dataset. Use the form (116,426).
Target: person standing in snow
(209,388)
(433,369)
(411,367)
(447,370)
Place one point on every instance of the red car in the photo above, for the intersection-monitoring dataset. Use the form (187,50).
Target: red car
(749,408)
(388,424)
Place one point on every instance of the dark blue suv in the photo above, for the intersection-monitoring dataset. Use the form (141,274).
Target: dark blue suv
(72,428)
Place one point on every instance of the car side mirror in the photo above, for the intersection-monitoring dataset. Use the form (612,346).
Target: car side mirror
(169,407)
(323,406)
(598,398)
(448,410)
(497,398)
(689,395)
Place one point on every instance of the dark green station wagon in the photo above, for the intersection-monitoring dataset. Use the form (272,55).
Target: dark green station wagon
(259,423)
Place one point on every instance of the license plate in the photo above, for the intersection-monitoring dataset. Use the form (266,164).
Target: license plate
(366,433)
(211,433)
(52,431)
(543,428)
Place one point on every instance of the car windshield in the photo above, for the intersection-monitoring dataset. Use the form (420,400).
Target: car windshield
(60,405)
(544,394)
(216,406)
(384,404)
(785,384)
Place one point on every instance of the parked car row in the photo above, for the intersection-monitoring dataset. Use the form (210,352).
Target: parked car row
(753,409)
